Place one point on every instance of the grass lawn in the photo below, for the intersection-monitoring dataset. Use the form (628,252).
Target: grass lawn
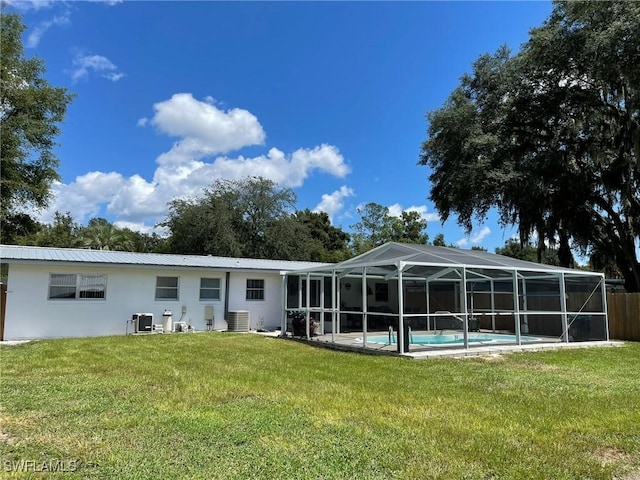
(234,406)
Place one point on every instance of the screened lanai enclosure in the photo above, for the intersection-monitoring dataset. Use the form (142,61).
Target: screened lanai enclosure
(404,297)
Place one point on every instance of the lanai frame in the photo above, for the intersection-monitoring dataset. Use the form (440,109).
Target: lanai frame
(377,264)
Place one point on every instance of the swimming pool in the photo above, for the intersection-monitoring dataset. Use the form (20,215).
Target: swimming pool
(450,339)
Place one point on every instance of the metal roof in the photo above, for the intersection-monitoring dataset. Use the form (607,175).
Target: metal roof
(391,254)
(37,255)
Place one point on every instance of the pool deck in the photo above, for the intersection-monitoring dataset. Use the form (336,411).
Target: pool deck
(348,342)
(489,350)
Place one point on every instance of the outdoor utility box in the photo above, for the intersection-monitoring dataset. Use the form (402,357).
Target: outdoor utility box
(238,321)
(142,322)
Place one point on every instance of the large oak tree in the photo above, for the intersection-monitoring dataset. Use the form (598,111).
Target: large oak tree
(550,137)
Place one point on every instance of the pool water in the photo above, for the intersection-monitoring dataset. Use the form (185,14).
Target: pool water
(451,339)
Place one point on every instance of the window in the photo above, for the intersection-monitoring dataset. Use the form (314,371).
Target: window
(73,286)
(255,289)
(209,289)
(92,286)
(167,288)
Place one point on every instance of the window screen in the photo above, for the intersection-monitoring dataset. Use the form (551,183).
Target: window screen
(209,289)
(167,288)
(72,286)
(255,289)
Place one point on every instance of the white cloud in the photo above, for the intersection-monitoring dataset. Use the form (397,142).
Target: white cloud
(184,170)
(332,203)
(34,37)
(475,238)
(138,199)
(288,171)
(142,122)
(205,130)
(396,210)
(84,196)
(25,5)
(84,64)
(325,158)
(141,227)
(114,77)
(131,199)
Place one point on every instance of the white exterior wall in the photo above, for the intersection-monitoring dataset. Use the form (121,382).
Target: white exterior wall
(263,313)
(30,314)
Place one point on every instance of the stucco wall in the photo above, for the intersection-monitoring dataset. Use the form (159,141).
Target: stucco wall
(263,313)
(30,314)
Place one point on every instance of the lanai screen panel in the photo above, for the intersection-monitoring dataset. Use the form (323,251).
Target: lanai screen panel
(587,320)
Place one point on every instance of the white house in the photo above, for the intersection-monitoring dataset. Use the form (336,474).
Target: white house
(59,292)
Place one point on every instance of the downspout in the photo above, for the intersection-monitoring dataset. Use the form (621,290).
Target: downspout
(227,282)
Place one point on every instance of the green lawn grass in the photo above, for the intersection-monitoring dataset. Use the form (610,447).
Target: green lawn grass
(234,406)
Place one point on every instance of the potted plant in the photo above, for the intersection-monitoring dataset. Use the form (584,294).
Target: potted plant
(298,324)
(474,324)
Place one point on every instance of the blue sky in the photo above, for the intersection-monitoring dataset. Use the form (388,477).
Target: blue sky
(326,98)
